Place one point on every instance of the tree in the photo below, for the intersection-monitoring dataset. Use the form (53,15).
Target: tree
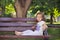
(21,7)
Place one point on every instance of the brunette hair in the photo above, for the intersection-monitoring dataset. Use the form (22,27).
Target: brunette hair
(41,13)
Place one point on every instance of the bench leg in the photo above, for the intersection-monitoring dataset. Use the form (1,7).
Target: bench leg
(46,39)
(45,33)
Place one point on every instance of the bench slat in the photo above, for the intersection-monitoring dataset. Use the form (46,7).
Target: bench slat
(14,28)
(53,25)
(14,36)
(17,19)
(16,24)
(26,25)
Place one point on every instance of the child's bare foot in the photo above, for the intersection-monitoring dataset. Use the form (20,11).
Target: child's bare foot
(18,33)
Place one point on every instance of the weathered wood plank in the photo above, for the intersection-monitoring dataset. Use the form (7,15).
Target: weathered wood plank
(14,28)
(26,25)
(17,19)
(16,24)
(54,25)
(14,36)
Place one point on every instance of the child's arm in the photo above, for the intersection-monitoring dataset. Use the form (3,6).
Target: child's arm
(44,26)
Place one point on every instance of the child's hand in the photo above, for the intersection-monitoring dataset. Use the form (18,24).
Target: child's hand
(33,28)
(44,26)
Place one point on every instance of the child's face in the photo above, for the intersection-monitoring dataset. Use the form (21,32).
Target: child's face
(39,17)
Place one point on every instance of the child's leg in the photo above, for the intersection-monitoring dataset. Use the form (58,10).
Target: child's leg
(18,33)
(45,32)
(27,32)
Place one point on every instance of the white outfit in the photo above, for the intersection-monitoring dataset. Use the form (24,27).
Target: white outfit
(38,31)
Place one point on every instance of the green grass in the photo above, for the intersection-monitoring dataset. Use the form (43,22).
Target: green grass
(53,22)
(56,23)
(55,33)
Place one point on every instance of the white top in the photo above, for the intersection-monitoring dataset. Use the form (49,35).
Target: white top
(39,25)
(38,31)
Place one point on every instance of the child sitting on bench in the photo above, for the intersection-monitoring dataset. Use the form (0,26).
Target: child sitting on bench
(36,30)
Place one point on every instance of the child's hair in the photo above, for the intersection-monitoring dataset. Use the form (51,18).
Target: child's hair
(41,13)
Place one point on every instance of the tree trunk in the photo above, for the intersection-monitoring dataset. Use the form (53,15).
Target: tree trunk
(51,18)
(3,10)
(22,7)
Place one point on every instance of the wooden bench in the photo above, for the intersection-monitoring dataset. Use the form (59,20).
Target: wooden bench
(19,24)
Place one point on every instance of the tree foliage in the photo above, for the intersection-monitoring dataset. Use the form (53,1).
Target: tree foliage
(7,7)
(46,6)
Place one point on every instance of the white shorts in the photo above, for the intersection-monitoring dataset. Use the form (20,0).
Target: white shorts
(30,32)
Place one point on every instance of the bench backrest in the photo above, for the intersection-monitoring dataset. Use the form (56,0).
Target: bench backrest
(19,24)
(12,24)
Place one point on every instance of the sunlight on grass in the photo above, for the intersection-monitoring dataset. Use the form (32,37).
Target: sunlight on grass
(56,23)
